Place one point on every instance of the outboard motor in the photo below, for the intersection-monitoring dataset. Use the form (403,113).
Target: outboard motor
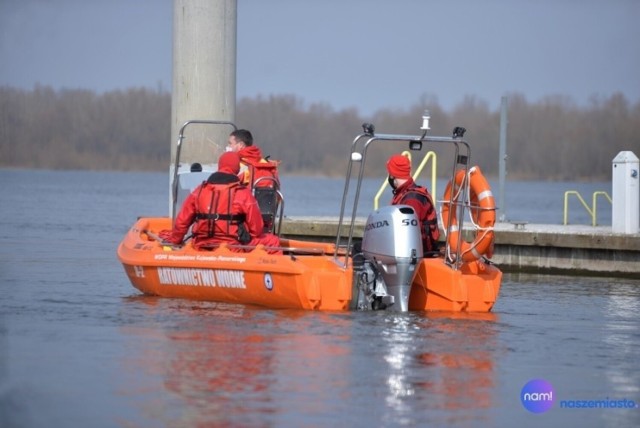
(391,251)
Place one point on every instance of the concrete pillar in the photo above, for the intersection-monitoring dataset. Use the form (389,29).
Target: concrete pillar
(204,76)
(625,196)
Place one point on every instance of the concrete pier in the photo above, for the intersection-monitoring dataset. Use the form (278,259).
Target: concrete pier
(538,248)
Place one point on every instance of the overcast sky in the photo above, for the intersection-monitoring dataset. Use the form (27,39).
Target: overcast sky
(366,54)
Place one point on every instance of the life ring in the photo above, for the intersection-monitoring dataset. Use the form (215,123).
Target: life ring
(482,208)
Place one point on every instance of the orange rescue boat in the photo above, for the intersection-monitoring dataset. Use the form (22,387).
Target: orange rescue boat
(386,270)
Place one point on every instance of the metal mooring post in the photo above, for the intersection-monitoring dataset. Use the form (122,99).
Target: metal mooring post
(502,162)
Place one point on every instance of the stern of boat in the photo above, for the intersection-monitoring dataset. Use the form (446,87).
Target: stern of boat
(474,287)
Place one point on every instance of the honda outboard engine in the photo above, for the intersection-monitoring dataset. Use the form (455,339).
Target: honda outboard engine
(391,251)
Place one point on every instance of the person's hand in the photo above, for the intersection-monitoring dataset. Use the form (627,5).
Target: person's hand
(165,234)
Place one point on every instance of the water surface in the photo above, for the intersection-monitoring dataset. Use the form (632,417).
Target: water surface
(80,347)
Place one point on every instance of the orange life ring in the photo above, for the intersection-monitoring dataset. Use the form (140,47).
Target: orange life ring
(482,210)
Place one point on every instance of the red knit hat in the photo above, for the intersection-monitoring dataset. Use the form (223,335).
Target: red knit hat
(229,163)
(399,166)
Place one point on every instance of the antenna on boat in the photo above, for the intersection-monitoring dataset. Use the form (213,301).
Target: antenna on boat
(425,121)
(417,143)
(425,127)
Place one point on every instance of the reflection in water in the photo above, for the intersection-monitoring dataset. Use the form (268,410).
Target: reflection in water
(456,373)
(237,365)
(622,336)
(231,364)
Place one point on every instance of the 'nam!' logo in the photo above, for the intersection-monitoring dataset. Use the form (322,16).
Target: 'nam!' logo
(537,396)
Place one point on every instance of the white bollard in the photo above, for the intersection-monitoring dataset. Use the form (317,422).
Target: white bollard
(625,214)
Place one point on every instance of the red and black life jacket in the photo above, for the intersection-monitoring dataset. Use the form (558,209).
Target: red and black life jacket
(429,227)
(214,215)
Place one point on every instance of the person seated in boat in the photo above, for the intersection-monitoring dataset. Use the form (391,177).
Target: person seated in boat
(259,173)
(407,192)
(222,210)
(255,170)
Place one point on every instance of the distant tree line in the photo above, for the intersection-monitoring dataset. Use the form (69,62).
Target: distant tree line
(77,129)
(130,130)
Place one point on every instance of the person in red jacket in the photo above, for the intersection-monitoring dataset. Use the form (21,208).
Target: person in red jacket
(407,192)
(253,165)
(260,174)
(222,209)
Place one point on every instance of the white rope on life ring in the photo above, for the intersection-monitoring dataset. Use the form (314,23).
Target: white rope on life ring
(482,210)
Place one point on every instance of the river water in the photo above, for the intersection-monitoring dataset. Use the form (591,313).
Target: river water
(79,347)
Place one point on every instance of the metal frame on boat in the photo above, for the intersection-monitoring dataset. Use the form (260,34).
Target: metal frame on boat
(415,142)
(387,270)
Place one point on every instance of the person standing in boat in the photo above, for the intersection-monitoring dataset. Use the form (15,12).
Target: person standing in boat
(407,192)
(222,210)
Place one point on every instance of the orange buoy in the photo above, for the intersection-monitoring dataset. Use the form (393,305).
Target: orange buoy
(482,210)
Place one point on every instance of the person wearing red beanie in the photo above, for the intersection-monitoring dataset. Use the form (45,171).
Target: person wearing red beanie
(229,163)
(222,210)
(407,192)
(399,166)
